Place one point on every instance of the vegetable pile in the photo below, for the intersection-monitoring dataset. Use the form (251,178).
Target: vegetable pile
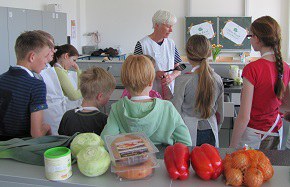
(92,158)
(248,167)
(205,160)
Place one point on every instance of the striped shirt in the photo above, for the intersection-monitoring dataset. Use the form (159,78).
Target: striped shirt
(138,51)
(28,95)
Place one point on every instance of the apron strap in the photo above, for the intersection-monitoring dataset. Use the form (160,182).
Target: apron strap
(272,128)
(269,132)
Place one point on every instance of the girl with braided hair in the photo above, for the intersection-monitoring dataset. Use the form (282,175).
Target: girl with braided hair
(258,123)
(199,95)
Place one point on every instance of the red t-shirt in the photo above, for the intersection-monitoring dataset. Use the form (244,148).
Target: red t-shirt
(265,105)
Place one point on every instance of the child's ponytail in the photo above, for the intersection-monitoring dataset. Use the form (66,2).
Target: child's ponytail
(198,50)
(205,90)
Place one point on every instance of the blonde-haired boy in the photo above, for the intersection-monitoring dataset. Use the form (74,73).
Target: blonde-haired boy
(96,85)
(157,118)
(22,95)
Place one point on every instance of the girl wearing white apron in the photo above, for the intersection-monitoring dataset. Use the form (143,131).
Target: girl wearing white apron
(199,95)
(55,99)
(258,123)
(65,59)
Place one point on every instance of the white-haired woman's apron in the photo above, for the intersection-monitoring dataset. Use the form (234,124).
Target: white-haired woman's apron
(164,57)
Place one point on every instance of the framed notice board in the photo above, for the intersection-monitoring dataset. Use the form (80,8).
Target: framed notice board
(227,31)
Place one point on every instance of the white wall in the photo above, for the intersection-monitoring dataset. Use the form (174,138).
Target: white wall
(68,6)
(125,22)
(278,9)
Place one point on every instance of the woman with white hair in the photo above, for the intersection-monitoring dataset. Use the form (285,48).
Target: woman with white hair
(162,49)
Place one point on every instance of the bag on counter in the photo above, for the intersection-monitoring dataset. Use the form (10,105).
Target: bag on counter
(30,150)
(110,52)
(97,53)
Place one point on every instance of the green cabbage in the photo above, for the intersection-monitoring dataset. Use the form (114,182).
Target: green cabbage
(93,161)
(84,140)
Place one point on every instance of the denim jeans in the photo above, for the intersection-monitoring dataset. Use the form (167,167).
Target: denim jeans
(205,136)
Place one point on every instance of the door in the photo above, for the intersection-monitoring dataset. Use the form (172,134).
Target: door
(16,25)
(34,20)
(48,24)
(55,23)
(60,28)
(4,57)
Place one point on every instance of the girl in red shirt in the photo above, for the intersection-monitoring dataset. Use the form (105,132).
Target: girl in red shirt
(258,123)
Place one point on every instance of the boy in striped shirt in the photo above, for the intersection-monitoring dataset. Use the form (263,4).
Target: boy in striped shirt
(22,96)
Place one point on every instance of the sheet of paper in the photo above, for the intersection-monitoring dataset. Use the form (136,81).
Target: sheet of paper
(234,32)
(205,29)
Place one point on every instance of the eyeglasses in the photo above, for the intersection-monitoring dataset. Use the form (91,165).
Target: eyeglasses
(249,36)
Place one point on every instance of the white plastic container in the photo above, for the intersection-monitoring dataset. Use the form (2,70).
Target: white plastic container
(57,163)
(133,156)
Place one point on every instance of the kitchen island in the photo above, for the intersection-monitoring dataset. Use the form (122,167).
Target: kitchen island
(16,174)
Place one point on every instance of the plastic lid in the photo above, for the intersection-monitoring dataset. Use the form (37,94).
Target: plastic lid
(57,152)
(129,146)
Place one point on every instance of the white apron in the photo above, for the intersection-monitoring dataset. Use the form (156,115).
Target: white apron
(192,123)
(55,100)
(74,80)
(164,57)
(253,137)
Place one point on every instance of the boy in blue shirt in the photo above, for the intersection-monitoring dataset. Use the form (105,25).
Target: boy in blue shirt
(22,96)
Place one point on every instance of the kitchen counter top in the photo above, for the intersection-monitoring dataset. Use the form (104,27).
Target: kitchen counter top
(233,89)
(16,174)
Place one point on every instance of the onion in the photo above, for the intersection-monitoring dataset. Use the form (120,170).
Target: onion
(266,169)
(234,177)
(240,161)
(227,162)
(253,177)
(263,158)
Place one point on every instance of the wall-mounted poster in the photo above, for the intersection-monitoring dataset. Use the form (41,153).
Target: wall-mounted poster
(202,25)
(205,29)
(234,32)
(73,29)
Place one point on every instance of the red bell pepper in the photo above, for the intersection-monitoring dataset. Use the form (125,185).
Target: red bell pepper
(176,159)
(206,161)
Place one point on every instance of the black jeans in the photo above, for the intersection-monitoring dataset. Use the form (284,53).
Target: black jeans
(205,136)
